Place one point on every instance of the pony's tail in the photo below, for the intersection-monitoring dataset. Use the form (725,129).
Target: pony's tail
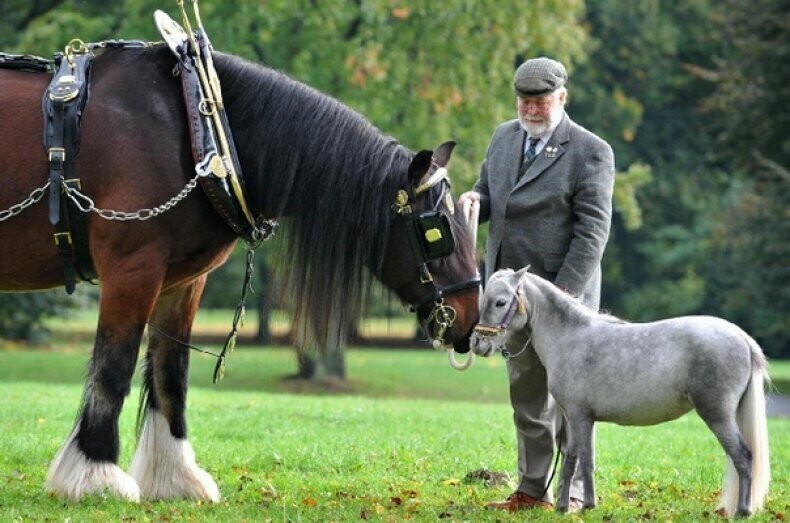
(754,428)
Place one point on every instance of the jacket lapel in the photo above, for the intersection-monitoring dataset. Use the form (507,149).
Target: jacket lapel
(515,149)
(550,153)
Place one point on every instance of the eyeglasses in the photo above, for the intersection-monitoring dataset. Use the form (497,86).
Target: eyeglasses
(541,103)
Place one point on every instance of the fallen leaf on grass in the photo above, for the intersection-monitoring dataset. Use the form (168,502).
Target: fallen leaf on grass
(309,502)
(366,513)
(451,481)
(491,478)
(243,480)
(630,495)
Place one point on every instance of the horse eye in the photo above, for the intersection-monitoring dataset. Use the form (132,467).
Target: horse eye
(501,303)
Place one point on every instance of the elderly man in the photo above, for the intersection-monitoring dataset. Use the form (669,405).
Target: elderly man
(546,188)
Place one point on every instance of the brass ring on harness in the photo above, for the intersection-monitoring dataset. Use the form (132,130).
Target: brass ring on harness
(206,107)
(75,46)
(444,317)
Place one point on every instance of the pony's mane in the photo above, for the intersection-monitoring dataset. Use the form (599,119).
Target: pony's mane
(329,171)
(567,305)
(572,306)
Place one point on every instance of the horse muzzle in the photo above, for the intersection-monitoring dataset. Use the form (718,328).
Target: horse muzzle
(485,340)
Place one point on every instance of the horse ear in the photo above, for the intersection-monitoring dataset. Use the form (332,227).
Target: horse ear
(443,153)
(419,166)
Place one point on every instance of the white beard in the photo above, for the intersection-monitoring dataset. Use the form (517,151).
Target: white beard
(538,129)
(535,129)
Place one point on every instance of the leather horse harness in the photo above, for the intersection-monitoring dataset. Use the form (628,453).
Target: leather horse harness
(216,163)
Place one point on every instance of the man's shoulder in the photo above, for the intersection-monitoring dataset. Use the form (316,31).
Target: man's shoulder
(580,133)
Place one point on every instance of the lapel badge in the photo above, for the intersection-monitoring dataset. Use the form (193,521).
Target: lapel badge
(551,152)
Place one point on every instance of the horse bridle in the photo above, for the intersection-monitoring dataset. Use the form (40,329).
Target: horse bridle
(430,238)
(517,303)
(486,330)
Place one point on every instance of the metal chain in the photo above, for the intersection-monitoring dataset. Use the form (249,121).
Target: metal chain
(86,204)
(508,356)
(34,197)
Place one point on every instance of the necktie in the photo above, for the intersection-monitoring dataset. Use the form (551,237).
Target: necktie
(531,151)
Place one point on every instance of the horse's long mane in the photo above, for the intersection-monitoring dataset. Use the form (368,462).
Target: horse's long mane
(329,171)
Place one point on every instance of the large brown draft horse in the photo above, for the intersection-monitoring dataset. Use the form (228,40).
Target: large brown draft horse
(305,156)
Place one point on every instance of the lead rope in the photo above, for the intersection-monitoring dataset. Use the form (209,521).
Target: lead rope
(238,318)
(472,214)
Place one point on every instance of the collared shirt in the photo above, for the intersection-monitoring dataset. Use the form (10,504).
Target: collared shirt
(543,139)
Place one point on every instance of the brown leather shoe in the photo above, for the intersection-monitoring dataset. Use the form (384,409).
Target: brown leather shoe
(518,501)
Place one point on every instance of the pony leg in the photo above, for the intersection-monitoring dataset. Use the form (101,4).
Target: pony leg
(164,463)
(87,462)
(568,467)
(584,431)
(740,463)
(744,437)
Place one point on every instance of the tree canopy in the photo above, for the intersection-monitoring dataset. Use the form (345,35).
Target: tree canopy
(689,94)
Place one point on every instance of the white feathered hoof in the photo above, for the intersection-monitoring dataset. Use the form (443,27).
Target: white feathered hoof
(165,467)
(72,476)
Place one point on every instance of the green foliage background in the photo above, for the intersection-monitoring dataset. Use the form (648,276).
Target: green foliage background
(690,94)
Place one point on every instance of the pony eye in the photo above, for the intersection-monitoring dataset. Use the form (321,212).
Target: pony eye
(500,303)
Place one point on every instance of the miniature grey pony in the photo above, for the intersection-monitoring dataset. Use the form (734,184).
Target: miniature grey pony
(601,368)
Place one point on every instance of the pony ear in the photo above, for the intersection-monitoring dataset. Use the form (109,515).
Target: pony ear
(443,153)
(419,166)
(521,272)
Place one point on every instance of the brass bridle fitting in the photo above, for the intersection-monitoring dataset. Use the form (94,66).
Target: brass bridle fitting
(487,331)
(444,316)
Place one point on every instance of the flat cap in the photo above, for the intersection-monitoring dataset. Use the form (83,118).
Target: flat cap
(538,76)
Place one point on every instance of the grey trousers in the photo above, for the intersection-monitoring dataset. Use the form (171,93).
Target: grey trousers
(539,425)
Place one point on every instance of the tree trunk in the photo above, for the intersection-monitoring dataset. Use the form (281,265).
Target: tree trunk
(329,363)
(264,334)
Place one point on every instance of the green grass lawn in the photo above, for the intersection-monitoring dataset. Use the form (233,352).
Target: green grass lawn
(393,444)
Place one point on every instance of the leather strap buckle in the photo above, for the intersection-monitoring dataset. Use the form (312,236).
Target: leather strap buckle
(57,155)
(60,236)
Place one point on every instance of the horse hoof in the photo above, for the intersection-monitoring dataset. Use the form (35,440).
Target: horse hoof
(72,476)
(165,466)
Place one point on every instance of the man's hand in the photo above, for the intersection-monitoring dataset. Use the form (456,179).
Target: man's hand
(472,196)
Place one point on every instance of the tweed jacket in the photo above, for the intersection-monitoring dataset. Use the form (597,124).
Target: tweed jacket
(556,216)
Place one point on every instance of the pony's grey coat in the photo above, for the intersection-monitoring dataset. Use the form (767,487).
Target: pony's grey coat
(601,368)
